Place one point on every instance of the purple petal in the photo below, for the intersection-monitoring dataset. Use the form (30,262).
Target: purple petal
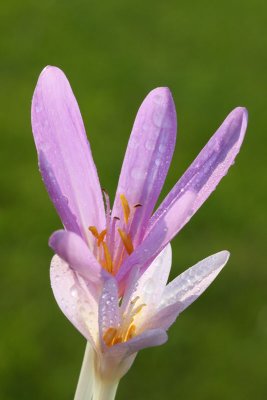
(187,287)
(159,236)
(191,191)
(147,158)
(210,166)
(109,315)
(150,338)
(71,248)
(75,299)
(61,202)
(69,172)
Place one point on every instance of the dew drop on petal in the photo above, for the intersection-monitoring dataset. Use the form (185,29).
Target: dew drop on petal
(162,148)
(74,291)
(149,145)
(138,174)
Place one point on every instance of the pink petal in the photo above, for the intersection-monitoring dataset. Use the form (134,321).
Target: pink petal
(71,248)
(75,299)
(69,172)
(147,158)
(187,287)
(210,166)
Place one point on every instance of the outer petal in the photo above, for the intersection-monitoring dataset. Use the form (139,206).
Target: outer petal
(75,299)
(147,158)
(71,248)
(150,338)
(152,283)
(187,287)
(149,288)
(60,136)
(210,166)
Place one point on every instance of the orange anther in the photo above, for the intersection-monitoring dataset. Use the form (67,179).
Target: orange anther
(127,241)
(130,332)
(109,336)
(101,237)
(125,207)
(94,231)
(108,259)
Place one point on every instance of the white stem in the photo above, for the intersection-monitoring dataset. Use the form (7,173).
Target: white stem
(85,385)
(91,385)
(105,390)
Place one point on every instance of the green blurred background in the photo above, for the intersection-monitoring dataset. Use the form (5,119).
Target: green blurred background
(212,55)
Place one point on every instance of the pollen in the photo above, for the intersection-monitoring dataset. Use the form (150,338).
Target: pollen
(109,336)
(125,208)
(127,241)
(130,333)
(94,231)
(108,260)
(101,237)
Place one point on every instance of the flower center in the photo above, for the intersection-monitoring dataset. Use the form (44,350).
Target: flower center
(108,251)
(127,328)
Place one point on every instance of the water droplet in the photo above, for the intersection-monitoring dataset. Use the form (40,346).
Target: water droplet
(74,291)
(138,174)
(158,99)
(133,143)
(158,161)
(38,108)
(162,148)
(149,145)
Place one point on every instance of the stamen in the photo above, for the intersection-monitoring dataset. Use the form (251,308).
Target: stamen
(109,336)
(116,340)
(94,231)
(127,241)
(108,258)
(107,204)
(125,207)
(101,237)
(130,332)
(137,205)
(138,309)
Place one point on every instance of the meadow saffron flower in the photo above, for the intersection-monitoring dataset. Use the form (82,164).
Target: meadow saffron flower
(108,258)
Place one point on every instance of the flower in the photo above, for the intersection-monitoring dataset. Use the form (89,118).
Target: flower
(107,259)
(116,329)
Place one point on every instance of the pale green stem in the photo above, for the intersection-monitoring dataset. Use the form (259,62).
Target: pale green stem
(92,386)
(105,390)
(85,386)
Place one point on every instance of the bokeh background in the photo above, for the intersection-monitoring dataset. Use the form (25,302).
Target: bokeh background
(212,55)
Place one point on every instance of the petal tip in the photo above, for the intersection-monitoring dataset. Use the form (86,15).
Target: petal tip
(223,257)
(161,95)
(240,114)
